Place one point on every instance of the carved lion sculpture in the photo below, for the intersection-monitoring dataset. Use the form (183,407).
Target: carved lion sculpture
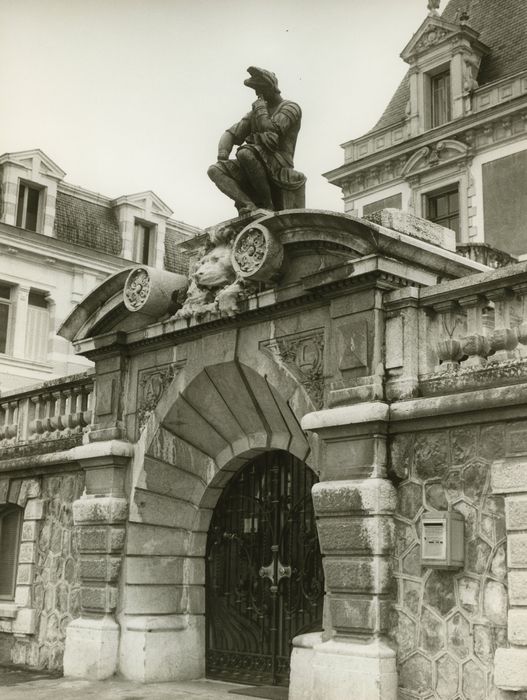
(213,287)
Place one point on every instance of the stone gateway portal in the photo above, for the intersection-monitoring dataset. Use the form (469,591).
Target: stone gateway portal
(265,583)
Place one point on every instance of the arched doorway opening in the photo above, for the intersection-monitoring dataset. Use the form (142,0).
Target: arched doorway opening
(264,576)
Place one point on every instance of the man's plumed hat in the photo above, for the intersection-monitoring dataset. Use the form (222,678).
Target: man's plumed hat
(261,78)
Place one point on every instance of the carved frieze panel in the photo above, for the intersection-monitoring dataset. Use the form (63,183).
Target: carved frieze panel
(151,384)
(353,345)
(302,354)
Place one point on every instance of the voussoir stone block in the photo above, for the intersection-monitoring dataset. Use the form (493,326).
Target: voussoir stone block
(355,496)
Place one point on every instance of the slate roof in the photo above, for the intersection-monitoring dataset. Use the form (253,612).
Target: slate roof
(87,224)
(175,259)
(502,26)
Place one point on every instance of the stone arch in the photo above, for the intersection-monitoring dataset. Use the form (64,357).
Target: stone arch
(190,449)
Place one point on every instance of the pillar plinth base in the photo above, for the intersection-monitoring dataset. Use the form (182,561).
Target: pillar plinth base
(339,669)
(91,649)
(165,648)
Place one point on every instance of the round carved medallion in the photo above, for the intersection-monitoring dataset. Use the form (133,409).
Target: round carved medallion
(256,253)
(137,289)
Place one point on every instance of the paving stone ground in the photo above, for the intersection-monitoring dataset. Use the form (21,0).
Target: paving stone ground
(20,684)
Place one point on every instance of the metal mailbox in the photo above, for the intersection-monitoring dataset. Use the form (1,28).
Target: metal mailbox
(443,539)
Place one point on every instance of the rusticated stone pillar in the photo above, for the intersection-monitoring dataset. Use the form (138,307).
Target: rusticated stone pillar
(92,641)
(354,503)
(509,477)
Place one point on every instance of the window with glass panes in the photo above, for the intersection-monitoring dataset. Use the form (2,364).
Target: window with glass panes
(10,526)
(440,99)
(5,314)
(443,208)
(143,243)
(28,206)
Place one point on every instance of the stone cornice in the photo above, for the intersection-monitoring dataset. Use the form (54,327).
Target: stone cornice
(48,250)
(453,130)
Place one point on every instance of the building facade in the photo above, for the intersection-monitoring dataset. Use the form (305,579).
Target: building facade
(58,242)
(278,467)
(451,145)
(311,469)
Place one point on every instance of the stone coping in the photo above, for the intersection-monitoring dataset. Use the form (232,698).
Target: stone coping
(346,415)
(92,450)
(50,384)
(411,409)
(482,399)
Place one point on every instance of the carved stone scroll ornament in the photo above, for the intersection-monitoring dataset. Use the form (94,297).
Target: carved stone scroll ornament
(136,289)
(257,254)
(152,292)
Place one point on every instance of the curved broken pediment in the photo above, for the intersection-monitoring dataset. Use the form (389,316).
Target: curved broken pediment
(437,154)
(130,299)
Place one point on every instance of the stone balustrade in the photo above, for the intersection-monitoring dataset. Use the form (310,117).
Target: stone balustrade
(470,333)
(482,99)
(57,409)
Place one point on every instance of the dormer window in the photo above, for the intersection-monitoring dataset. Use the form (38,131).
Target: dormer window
(144,243)
(28,207)
(440,99)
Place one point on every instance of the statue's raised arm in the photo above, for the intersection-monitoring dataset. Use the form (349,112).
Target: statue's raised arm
(262,174)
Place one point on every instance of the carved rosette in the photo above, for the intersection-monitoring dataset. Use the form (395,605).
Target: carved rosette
(257,254)
(137,289)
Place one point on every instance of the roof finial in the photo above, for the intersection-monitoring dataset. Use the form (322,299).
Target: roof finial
(433,6)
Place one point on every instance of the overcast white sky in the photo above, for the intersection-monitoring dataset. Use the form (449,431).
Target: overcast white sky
(133,95)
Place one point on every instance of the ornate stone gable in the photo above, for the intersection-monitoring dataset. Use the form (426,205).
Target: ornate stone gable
(435,31)
(302,354)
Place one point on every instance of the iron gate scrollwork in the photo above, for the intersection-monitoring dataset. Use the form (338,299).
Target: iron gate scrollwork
(265,582)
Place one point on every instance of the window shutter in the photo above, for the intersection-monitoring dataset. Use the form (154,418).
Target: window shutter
(37,333)
(9,529)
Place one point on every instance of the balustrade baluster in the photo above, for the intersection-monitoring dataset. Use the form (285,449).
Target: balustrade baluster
(448,348)
(475,345)
(503,339)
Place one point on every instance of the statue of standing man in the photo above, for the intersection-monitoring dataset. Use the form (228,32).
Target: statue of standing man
(262,176)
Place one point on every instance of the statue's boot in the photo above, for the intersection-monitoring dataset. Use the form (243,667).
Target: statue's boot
(232,189)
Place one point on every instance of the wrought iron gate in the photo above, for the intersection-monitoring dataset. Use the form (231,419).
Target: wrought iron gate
(265,581)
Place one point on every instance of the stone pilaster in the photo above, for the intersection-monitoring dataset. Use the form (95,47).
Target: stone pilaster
(110,392)
(92,641)
(354,503)
(509,478)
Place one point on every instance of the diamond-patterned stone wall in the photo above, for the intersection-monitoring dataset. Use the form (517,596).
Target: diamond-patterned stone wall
(447,624)
(56,581)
